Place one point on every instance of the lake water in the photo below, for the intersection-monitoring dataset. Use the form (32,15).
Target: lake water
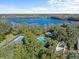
(40,21)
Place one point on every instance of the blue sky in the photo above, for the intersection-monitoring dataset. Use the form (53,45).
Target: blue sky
(39,6)
(24,3)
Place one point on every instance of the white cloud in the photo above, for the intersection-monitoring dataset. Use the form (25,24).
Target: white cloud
(38,9)
(65,6)
(62,1)
(11,9)
(5,9)
(54,6)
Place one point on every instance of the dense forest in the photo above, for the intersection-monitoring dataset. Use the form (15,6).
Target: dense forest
(32,49)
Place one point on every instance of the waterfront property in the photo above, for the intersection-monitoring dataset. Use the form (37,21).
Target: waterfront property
(44,37)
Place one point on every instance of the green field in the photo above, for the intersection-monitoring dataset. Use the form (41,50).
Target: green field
(8,38)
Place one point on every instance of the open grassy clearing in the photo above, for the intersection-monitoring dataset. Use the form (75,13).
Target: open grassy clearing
(7,39)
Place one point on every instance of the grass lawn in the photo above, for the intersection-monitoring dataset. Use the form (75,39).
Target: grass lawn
(1,58)
(7,39)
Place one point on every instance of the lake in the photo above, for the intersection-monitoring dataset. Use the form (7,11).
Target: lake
(40,21)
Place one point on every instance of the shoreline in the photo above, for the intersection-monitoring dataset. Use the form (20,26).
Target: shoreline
(72,17)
